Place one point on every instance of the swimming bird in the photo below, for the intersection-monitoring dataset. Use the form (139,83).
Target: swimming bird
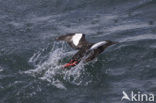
(85,49)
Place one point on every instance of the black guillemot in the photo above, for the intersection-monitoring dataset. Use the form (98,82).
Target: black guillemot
(85,48)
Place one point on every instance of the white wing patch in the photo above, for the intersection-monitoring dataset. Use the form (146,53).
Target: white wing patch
(76,38)
(95,46)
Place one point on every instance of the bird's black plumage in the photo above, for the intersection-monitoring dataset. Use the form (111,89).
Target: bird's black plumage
(85,48)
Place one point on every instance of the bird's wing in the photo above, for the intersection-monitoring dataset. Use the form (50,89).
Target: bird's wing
(98,48)
(79,55)
(75,40)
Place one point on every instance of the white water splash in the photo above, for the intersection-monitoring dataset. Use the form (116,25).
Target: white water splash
(52,71)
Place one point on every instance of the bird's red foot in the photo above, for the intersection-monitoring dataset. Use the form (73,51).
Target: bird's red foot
(71,63)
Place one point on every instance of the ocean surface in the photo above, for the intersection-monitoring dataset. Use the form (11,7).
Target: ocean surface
(31,59)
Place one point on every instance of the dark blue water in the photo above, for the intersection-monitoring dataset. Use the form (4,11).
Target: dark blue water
(30,59)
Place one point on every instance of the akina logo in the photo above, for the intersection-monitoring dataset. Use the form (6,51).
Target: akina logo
(140,97)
